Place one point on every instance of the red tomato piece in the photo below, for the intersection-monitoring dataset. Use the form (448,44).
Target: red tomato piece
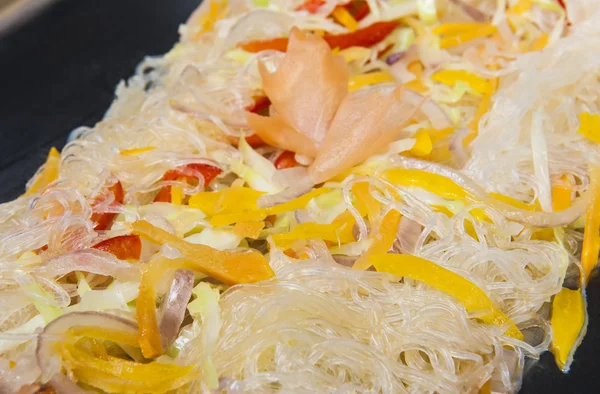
(122,247)
(312,6)
(104,220)
(286,160)
(187,172)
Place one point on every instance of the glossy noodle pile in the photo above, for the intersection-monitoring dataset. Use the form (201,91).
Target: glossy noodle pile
(324,196)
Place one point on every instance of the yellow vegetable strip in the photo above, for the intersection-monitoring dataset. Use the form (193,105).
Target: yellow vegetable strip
(475,82)
(568,323)
(434,183)
(106,334)
(467,293)
(261,213)
(355,53)
(365,202)
(358,81)
(456,28)
(423,145)
(327,232)
(113,374)
(466,36)
(48,174)
(136,151)
(520,8)
(591,240)
(589,126)
(539,43)
(346,19)
(561,195)
(383,240)
(231,200)
(248,229)
(216,11)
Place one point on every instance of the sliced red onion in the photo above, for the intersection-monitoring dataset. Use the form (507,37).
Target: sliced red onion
(63,385)
(46,356)
(395,57)
(407,235)
(436,114)
(299,189)
(172,310)
(473,12)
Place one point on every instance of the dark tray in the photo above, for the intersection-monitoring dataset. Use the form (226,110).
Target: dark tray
(59,71)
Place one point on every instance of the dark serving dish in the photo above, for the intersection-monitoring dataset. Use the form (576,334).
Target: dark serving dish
(59,70)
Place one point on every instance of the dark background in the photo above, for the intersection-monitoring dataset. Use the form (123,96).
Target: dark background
(59,71)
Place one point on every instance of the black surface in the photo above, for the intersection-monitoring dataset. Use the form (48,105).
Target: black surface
(59,72)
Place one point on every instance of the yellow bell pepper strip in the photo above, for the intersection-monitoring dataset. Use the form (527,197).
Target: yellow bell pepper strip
(589,126)
(475,82)
(217,10)
(383,240)
(248,229)
(105,334)
(365,202)
(467,293)
(539,43)
(230,200)
(423,145)
(117,375)
(431,182)
(562,195)
(48,174)
(354,53)
(177,194)
(327,232)
(137,151)
(345,19)
(568,322)
(456,28)
(356,82)
(520,8)
(261,213)
(462,37)
(591,233)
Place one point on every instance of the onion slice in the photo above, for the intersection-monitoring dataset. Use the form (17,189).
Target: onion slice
(48,360)
(172,310)
(436,114)
(407,235)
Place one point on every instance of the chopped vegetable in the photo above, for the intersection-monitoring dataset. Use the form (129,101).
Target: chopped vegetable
(188,173)
(311,6)
(104,220)
(383,239)
(344,17)
(358,81)
(365,37)
(451,77)
(591,235)
(137,151)
(124,247)
(589,126)
(423,145)
(248,229)
(568,322)
(48,174)
(434,183)
(286,160)
(465,35)
(472,297)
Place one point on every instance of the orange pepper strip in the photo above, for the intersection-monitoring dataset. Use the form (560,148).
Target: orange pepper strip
(383,241)
(123,247)
(365,37)
(591,242)
(248,229)
(228,267)
(365,202)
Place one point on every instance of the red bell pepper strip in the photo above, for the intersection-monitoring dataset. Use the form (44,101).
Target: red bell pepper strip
(123,247)
(312,6)
(187,172)
(104,220)
(286,160)
(365,37)
(358,9)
